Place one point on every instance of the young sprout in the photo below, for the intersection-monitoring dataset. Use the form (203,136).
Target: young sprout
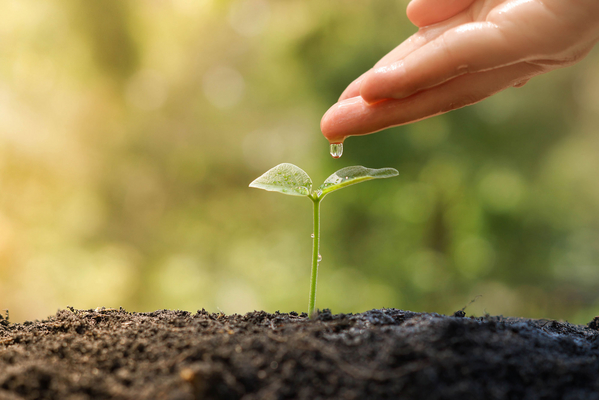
(289,179)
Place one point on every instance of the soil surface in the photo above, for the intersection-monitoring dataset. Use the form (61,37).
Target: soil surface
(379,354)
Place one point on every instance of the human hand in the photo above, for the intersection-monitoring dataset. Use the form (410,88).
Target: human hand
(464,52)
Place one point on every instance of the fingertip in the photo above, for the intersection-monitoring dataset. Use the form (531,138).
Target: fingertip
(382,83)
(353,89)
(336,123)
(429,12)
(412,12)
(327,126)
(369,92)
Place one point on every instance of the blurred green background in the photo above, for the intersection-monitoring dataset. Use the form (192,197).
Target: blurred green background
(129,132)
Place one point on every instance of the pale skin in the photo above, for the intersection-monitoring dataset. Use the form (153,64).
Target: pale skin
(463,52)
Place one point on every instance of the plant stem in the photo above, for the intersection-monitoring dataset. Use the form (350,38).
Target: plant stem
(315,253)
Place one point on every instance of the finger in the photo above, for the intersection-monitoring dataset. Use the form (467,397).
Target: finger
(353,89)
(354,116)
(421,38)
(408,46)
(429,12)
(468,48)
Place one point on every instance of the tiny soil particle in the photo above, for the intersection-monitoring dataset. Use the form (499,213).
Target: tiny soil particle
(594,324)
(379,354)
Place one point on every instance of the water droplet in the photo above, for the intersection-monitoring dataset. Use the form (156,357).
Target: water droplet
(336,150)
(312,236)
(319,258)
(520,83)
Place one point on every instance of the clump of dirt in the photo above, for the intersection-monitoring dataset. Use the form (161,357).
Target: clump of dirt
(379,354)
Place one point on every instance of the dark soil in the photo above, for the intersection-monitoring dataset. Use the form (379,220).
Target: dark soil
(379,354)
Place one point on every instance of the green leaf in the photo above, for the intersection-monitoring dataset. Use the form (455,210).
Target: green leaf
(352,175)
(285,178)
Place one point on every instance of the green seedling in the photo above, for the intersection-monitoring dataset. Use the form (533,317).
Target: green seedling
(289,179)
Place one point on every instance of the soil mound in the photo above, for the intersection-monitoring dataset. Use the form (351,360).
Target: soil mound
(379,354)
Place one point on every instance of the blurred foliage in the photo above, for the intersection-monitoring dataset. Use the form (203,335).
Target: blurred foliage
(130,131)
